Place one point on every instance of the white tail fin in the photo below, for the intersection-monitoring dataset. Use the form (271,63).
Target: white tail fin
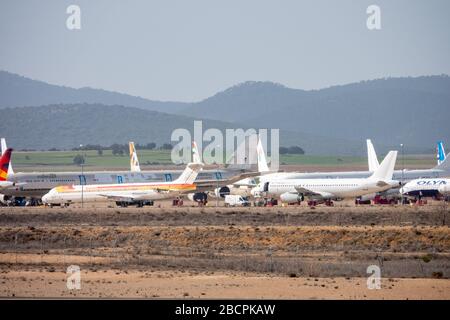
(262,161)
(134,161)
(4,148)
(372,156)
(386,168)
(195,154)
(192,169)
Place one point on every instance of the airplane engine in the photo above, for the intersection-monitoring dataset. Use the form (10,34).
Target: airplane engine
(222,191)
(444,189)
(197,197)
(291,197)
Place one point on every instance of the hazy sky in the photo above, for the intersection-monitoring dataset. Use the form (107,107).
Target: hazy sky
(187,50)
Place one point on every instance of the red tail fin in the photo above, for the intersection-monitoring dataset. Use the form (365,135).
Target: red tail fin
(4,164)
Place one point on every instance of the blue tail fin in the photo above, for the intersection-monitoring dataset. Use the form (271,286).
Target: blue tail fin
(440,153)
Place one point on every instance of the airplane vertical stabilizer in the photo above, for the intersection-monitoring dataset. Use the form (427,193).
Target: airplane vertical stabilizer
(386,168)
(443,159)
(192,169)
(440,153)
(372,156)
(134,161)
(262,161)
(4,164)
(4,148)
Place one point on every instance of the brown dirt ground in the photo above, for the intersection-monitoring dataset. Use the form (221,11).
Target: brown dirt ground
(190,252)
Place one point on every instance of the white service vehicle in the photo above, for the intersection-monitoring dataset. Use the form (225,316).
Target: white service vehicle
(232,200)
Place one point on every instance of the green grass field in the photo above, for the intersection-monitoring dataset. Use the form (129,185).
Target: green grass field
(63,160)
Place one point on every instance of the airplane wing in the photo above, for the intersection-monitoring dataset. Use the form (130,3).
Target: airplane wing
(144,196)
(211,184)
(249,184)
(313,194)
(127,198)
(382,184)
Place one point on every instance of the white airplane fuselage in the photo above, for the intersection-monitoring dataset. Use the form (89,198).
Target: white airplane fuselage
(93,193)
(328,188)
(425,187)
(406,175)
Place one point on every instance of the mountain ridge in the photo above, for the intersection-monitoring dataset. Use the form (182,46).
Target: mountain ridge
(411,110)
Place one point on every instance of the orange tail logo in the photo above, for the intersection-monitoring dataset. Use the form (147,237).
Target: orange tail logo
(4,164)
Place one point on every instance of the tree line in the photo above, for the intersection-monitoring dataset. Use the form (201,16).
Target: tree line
(121,149)
(291,150)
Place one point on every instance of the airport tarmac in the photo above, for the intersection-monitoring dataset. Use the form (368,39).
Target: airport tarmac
(216,252)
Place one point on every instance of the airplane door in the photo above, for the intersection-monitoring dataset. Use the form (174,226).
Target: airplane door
(82,179)
(168,177)
(119,179)
(266,187)
(218,175)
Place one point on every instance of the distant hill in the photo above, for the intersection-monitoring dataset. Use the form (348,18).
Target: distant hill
(68,126)
(413,111)
(18,91)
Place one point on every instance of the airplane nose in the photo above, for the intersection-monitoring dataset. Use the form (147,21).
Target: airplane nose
(45,198)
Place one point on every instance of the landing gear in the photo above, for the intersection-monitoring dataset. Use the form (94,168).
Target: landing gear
(122,204)
(329,203)
(312,203)
(138,204)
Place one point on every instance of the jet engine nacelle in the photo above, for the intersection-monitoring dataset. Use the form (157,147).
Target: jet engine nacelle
(222,191)
(291,197)
(444,189)
(197,197)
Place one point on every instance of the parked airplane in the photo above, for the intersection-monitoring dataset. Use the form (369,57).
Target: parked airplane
(267,175)
(128,192)
(426,187)
(4,168)
(441,170)
(34,185)
(291,190)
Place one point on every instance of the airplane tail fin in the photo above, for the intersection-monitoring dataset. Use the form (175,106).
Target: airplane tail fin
(134,161)
(372,156)
(386,168)
(443,162)
(192,169)
(4,148)
(4,164)
(195,154)
(440,153)
(262,161)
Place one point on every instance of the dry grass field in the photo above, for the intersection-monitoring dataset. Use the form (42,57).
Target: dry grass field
(191,252)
